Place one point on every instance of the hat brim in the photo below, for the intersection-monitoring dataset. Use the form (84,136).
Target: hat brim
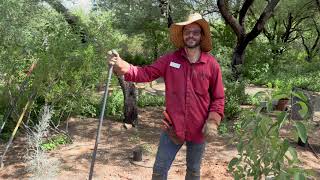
(176,35)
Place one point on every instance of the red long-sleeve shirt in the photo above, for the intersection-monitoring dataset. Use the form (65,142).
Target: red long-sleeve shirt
(192,90)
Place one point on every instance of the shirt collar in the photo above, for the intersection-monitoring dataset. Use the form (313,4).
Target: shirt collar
(203,57)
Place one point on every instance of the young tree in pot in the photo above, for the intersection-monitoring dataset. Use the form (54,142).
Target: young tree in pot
(282,97)
(262,152)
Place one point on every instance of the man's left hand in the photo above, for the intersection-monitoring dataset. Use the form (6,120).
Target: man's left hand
(210,129)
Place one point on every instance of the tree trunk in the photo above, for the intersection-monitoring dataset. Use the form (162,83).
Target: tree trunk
(165,10)
(237,59)
(238,54)
(130,102)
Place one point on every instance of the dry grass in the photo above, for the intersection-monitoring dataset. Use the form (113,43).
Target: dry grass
(39,164)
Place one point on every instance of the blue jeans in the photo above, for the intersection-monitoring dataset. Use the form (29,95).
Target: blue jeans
(167,151)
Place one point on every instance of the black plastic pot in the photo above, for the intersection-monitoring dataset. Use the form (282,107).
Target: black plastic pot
(137,153)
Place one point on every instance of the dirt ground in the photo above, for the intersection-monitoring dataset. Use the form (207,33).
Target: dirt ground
(115,152)
(114,157)
(116,149)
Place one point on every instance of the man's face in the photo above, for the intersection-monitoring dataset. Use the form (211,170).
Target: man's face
(192,35)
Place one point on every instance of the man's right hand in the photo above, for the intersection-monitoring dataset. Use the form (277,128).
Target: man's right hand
(120,67)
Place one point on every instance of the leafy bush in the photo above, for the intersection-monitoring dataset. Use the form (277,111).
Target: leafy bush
(87,106)
(235,96)
(67,68)
(261,150)
(136,59)
(232,108)
(150,100)
(115,104)
(55,141)
(305,80)
(223,128)
(263,66)
(235,90)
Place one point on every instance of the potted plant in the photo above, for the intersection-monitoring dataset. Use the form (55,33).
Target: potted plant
(282,97)
(263,100)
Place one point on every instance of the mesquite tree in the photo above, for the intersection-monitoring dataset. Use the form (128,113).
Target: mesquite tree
(239,27)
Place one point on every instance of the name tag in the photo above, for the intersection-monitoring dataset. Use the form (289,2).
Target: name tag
(175,65)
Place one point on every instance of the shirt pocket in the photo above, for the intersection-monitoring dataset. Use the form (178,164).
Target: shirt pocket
(200,82)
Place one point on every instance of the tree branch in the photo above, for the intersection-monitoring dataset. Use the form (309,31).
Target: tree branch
(165,10)
(56,5)
(209,11)
(288,27)
(293,38)
(72,20)
(318,4)
(304,44)
(236,27)
(237,8)
(318,36)
(244,10)
(262,20)
(268,34)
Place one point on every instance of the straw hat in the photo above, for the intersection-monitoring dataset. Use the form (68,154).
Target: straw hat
(176,32)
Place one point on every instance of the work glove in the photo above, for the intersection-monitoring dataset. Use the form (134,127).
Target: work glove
(210,129)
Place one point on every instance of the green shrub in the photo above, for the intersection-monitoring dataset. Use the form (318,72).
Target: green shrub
(137,59)
(116,101)
(55,141)
(223,128)
(262,152)
(150,100)
(115,104)
(284,70)
(232,108)
(235,96)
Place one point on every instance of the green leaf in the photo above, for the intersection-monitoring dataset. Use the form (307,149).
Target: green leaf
(237,177)
(260,94)
(304,109)
(259,109)
(283,176)
(280,96)
(263,125)
(299,176)
(293,153)
(281,118)
(300,95)
(245,123)
(233,162)
(240,147)
(285,146)
(302,131)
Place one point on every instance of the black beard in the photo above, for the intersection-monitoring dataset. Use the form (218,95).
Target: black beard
(192,46)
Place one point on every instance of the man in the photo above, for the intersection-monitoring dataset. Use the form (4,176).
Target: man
(194,94)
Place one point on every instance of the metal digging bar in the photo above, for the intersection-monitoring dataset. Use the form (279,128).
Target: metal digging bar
(104,104)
